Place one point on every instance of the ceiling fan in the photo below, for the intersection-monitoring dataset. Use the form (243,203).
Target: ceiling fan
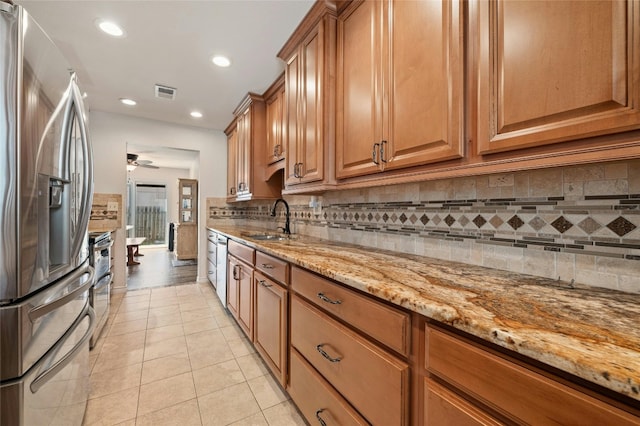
(133,162)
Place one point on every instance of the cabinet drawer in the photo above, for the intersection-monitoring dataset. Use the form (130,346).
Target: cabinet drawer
(241,251)
(385,324)
(512,389)
(212,236)
(375,382)
(316,398)
(273,267)
(444,408)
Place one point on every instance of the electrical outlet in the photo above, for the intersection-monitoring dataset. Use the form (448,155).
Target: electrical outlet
(112,206)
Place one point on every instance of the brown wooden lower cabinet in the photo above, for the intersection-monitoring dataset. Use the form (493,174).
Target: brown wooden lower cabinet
(347,358)
(446,408)
(270,325)
(240,294)
(520,394)
(316,399)
(375,382)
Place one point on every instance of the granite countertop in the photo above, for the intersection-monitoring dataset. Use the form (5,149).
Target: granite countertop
(591,333)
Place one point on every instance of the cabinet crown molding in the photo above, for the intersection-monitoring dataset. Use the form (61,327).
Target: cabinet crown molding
(308,23)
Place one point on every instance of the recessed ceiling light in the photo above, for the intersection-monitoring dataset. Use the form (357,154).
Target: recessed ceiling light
(129,102)
(110,28)
(221,61)
(196,114)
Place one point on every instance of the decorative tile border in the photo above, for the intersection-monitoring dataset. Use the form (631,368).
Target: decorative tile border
(602,226)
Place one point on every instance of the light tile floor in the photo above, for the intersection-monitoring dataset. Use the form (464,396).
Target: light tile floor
(174,356)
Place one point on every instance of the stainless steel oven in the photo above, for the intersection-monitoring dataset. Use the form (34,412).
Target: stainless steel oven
(100,244)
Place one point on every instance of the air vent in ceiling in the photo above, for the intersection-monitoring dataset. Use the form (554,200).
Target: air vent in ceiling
(165,92)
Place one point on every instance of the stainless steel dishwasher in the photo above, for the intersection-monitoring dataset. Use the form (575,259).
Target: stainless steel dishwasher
(221,269)
(217,264)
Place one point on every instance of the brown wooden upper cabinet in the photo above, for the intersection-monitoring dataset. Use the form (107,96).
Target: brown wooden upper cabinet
(555,71)
(246,143)
(274,98)
(309,107)
(400,83)
(232,155)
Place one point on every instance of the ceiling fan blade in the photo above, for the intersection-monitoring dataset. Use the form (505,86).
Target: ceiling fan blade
(148,166)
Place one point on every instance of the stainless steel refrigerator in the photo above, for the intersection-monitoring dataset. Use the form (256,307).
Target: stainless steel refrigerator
(45,192)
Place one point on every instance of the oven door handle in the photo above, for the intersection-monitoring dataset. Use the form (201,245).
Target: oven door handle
(44,309)
(102,246)
(103,278)
(44,377)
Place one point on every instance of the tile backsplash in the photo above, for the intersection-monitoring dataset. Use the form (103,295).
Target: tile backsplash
(579,223)
(106,212)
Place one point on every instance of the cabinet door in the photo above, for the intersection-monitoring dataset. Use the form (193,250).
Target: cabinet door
(275,147)
(400,85)
(423,82)
(311,145)
(304,110)
(359,102)
(270,325)
(550,71)
(245,299)
(232,159)
(243,167)
(232,285)
(292,117)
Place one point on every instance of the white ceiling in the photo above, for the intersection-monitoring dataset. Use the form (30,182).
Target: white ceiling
(172,43)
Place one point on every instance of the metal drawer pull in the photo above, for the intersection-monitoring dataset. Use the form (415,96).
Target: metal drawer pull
(326,355)
(263,283)
(267,266)
(322,422)
(326,299)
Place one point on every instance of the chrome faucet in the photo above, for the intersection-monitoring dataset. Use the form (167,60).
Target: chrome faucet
(286,228)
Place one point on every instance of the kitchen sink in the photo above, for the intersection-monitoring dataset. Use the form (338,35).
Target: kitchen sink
(267,237)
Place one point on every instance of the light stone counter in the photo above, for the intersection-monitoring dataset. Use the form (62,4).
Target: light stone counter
(591,333)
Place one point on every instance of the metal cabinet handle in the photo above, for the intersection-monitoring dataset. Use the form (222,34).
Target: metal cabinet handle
(326,355)
(235,273)
(320,420)
(267,266)
(382,151)
(297,170)
(326,299)
(263,283)
(374,154)
(232,191)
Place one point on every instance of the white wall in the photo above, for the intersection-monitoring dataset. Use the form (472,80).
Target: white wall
(109,136)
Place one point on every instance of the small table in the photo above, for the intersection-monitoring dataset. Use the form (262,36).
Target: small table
(133,243)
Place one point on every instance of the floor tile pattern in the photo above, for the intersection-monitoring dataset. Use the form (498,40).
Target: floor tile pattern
(174,356)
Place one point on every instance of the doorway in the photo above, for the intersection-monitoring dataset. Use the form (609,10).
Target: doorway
(150,216)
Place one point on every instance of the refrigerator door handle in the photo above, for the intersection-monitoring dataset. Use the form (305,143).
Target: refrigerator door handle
(42,310)
(76,105)
(44,377)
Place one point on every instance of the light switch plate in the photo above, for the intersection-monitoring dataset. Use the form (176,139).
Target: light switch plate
(112,206)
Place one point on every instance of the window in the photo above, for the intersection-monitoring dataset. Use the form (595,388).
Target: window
(151,213)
